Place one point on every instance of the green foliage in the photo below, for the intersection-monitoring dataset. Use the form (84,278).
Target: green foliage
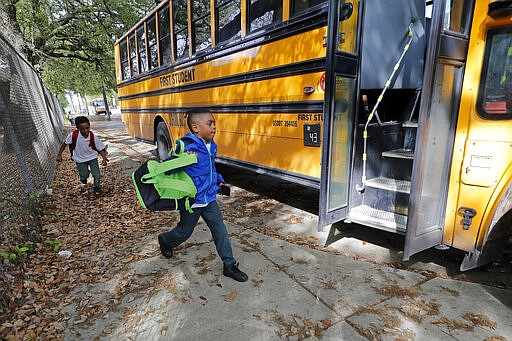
(15,251)
(55,244)
(21,250)
(8,255)
(72,41)
(57,217)
(34,202)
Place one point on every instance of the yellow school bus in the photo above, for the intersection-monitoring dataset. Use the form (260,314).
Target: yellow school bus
(398,111)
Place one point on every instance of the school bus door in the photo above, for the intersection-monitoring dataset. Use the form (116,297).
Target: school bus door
(442,86)
(339,109)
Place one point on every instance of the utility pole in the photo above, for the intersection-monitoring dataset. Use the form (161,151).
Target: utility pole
(107,109)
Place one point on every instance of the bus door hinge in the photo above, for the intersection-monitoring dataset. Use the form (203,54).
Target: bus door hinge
(467,216)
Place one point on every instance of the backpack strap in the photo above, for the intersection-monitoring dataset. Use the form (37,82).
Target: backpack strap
(92,142)
(74,137)
(181,185)
(180,148)
(179,162)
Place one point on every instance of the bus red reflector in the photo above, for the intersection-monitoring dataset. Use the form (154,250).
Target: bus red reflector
(495,108)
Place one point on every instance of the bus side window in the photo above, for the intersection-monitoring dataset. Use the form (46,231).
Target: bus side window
(495,93)
(228,20)
(164,33)
(299,6)
(180,21)
(201,26)
(152,46)
(264,12)
(141,44)
(125,63)
(133,54)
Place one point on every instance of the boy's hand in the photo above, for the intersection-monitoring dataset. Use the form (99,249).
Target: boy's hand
(224,190)
(104,162)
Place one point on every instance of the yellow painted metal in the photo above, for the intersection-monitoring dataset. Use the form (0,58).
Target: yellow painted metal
(243,16)
(273,90)
(286,10)
(479,144)
(213,25)
(272,140)
(306,46)
(117,57)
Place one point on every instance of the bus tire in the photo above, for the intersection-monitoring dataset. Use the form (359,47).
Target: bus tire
(163,141)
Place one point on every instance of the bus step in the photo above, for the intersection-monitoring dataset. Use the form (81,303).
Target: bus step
(402,186)
(410,124)
(399,153)
(383,220)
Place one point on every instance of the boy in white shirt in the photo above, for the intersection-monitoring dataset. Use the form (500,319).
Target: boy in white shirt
(85,147)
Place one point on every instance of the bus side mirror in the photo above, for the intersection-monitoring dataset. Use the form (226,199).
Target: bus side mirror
(346,10)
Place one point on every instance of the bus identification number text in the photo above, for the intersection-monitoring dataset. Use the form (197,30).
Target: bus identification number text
(312,135)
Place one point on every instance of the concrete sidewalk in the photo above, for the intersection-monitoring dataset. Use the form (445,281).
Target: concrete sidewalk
(293,292)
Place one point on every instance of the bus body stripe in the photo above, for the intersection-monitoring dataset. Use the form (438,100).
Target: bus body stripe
(309,66)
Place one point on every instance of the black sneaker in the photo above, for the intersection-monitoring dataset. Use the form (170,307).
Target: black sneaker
(84,181)
(96,190)
(235,273)
(166,250)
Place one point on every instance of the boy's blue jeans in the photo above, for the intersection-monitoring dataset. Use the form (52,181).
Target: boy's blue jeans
(83,171)
(212,215)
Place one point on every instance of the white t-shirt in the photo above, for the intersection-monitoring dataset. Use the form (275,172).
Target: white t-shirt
(83,151)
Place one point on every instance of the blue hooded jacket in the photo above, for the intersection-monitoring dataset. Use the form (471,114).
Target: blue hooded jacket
(203,173)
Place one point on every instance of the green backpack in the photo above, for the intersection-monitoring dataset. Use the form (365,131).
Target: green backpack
(164,186)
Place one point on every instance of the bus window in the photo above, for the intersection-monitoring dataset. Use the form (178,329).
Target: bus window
(180,21)
(125,63)
(264,12)
(228,20)
(152,46)
(299,6)
(495,94)
(456,18)
(164,32)
(201,25)
(141,44)
(133,54)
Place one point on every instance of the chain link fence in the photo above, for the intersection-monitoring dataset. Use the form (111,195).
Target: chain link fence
(31,130)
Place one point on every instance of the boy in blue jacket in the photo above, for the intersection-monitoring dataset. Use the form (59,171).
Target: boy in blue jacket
(207,181)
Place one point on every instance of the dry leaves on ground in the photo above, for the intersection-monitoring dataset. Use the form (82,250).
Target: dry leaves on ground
(99,231)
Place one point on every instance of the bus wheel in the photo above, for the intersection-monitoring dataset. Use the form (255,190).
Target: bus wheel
(163,141)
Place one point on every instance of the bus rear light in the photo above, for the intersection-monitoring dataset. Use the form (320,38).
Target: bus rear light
(495,108)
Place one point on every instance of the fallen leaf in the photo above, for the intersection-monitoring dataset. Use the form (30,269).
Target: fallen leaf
(326,322)
(230,297)
(203,298)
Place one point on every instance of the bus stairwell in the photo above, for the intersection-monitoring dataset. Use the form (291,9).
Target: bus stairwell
(385,131)
(386,163)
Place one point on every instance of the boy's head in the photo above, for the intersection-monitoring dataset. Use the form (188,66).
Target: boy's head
(83,125)
(202,124)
